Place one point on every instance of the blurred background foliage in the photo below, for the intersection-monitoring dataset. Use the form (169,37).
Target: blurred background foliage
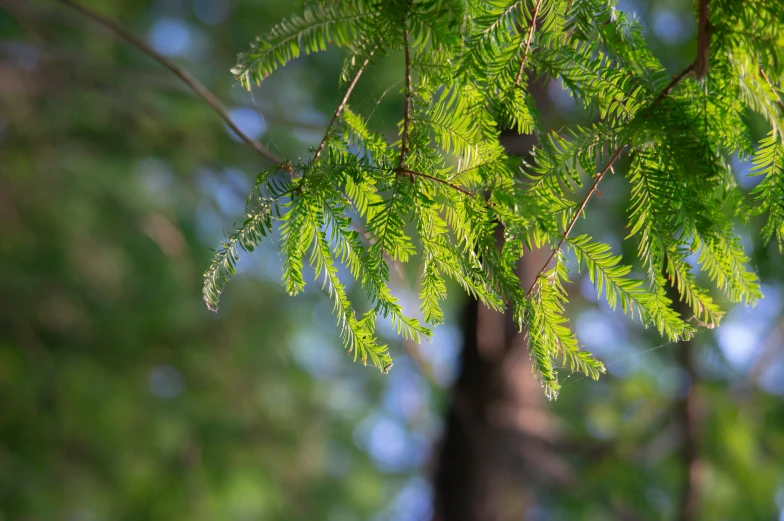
(122,397)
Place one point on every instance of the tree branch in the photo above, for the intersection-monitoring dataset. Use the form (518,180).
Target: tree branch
(599,176)
(531,30)
(181,73)
(701,63)
(342,105)
(436,179)
(407,109)
(587,198)
(675,81)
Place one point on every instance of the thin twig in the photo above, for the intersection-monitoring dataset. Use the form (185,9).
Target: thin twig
(407,109)
(211,100)
(184,75)
(342,105)
(531,30)
(587,198)
(436,179)
(599,176)
(675,81)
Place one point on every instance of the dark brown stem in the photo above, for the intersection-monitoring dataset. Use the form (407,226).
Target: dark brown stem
(675,81)
(701,63)
(342,106)
(407,109)
(531,30)
(181,73)
(664,93)
(432,178)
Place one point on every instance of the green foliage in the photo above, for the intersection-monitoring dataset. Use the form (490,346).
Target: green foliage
(442,189)
(260,210)
(769,161)
(549,334)
(606,272)
(338,24)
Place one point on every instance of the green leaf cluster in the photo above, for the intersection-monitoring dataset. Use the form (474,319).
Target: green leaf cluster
(444,191)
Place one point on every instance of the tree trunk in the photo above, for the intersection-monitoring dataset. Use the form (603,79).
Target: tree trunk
(498,433)
(687,415)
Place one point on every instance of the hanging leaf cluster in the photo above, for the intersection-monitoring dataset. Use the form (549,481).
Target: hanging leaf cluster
(443,192)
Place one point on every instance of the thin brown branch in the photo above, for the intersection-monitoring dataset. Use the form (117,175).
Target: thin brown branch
(675,81)
(531,30)
(436,179)
(702,62)
(411,348)
(778,100)
(342,105)
(181,73)
(587,198)
(407,109)
(600,175)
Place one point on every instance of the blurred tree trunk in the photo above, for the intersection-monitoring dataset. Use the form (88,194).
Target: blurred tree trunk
(687,417)
(498,434)
(499,437)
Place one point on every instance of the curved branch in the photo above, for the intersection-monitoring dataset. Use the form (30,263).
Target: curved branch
(342,105)
(600,175)
(675,81)
(407,109)
(531,30)
(181,73)
(436,179)
(577,214)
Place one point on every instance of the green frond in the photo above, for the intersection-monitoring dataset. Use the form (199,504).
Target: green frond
(353,254)
(670,214)
(757,94)
(296,238)
(682,279)
(607,273)
(455,131)
(445,192)
(387,226)
(557,164)
(363,193)
(439,250)
(549,335)
(247,237)
(262,208)
(661,305)
(723,258)
(493,36)
(338,23)
(769,162)
(595,81)
(432,293)
(358,335)
(365,141)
